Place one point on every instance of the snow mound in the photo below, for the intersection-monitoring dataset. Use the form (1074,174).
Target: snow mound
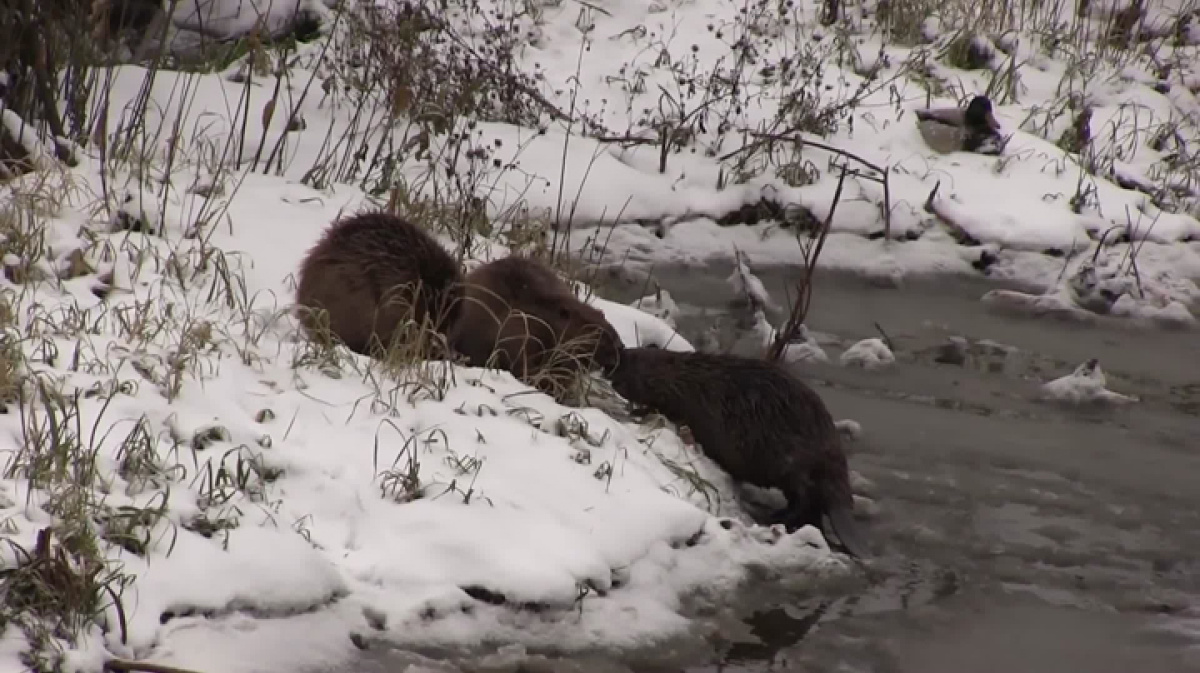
(870,353)
(1107,284)
(198,27)
(660,305)
(849,428)
(1086,385)
(804,347)
(748,287)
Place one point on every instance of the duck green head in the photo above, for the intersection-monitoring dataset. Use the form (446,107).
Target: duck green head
(978,115)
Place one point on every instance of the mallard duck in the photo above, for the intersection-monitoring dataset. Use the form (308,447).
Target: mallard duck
(970,129)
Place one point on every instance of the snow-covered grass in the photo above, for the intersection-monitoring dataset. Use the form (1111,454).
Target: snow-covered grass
(189,480)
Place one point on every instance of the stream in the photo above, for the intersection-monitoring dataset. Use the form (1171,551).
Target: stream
(1015,535)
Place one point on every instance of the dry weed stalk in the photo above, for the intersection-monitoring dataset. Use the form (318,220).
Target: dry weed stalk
(804,285)
(879,174)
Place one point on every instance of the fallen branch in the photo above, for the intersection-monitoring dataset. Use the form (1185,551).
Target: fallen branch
(142,666)
(767,138)
(626,139)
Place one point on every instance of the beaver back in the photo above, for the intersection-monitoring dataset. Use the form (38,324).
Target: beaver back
(757,421)
(373,271)
(520,312)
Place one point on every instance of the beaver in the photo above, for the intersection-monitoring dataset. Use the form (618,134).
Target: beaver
(371,272)
(517,314)
(758,422)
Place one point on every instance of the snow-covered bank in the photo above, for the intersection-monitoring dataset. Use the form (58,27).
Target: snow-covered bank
(286,495)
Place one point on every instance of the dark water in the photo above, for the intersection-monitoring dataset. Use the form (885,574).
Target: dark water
(1016,535)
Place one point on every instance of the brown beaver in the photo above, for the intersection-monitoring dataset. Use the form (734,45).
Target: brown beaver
(518,315)
(758,422)
(370,273)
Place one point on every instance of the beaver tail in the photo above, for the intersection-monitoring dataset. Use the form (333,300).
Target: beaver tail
(847,530)
(826,503)
(837,503)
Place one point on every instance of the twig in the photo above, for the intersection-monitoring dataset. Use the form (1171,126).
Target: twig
(597,8)
(766,138)
(804,285)
(886,339)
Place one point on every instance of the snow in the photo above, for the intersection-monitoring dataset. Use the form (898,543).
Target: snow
(759,331)
(805,351)
(361,504)
(661,305)
(870,353)
(803,347)
(850,428)
(1085,385)
(638,326)
(1107,285)
(227,19)
(748,286)
(14,129)
(199,24)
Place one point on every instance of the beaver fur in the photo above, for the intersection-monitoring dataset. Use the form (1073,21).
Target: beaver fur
(758,422)
(370,273)
(518,315)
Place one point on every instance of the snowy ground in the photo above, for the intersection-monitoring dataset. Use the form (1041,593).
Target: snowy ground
(260,501)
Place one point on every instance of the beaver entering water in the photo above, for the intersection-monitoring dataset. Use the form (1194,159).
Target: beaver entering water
(519,312)
(370,273)
(759,423)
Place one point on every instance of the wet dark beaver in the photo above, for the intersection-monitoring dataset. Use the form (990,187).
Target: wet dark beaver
(518,315)
(370,273)
(759,423)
